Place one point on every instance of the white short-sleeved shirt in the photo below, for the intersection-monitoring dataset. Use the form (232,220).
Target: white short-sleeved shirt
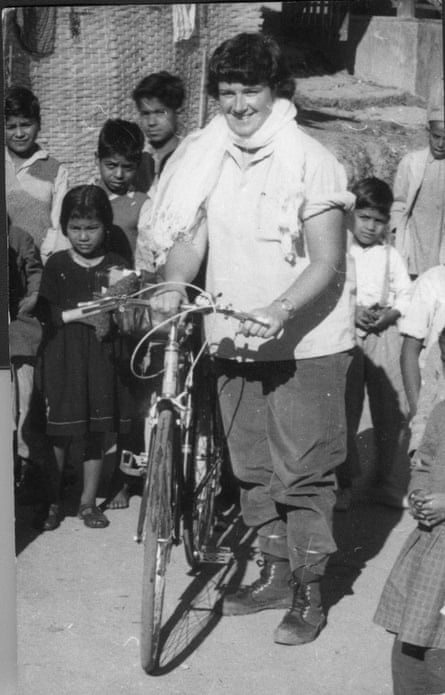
(425,317)
(248,267)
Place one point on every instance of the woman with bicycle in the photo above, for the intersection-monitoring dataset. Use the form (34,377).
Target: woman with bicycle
(266,203)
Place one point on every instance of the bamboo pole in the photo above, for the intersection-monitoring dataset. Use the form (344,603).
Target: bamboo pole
(202,90)
(443,53)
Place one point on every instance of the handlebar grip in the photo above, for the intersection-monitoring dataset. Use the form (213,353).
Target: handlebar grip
(82,312)
(73,314)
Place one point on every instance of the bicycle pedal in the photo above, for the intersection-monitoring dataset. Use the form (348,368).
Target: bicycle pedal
(132,464)
(219,555)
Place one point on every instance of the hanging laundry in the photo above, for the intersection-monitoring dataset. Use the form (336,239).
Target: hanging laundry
(37,29)
(184,19)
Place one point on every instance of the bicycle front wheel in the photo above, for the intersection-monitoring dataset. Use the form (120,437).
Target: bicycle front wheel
(157,539)
(202,483)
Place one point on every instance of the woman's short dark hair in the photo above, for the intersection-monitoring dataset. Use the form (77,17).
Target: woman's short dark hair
(373,193)
(169,89)
(121,137)
(86,201)
(20,101)
(250,58)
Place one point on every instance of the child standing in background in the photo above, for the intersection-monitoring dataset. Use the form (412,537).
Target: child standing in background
(119,153)
(25,272)
(418,211)
(118,157)
(158,98)
(420,328)
(432,391)
(413,598)
(35,181)
(83,380)
(383,293)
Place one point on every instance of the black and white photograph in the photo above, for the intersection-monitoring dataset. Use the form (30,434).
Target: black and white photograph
(222,372)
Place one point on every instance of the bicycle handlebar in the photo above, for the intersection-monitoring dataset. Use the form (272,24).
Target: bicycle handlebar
(93,308)
(204,303)
(226,310)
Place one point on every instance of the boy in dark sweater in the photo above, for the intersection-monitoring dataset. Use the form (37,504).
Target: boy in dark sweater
(118,156)
(35,181)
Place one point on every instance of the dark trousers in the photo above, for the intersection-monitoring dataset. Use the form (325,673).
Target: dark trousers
(376,367)
(417,670)
(286,432)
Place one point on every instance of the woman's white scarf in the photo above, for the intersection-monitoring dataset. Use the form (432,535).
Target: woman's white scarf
(193,170)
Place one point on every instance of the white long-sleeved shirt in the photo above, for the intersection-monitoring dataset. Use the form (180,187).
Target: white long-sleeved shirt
(372,264)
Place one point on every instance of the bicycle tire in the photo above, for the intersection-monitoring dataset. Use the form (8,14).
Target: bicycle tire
(201,483)
(149,437)
(157,539)
(142,509)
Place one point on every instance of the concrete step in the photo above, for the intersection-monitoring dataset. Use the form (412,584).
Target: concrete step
(342,95)
(349,93)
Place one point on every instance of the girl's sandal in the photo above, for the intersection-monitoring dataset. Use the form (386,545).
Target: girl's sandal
(52,520)
(92,516)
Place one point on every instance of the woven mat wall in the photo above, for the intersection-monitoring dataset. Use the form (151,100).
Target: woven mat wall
(100,55)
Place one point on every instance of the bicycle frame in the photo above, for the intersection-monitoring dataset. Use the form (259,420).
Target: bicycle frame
(180,402)
(177,394)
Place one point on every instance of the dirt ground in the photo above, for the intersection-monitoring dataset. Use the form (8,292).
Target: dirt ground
(79,589)
(79,606)
(369,128)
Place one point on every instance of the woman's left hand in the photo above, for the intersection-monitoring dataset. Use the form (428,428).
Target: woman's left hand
(432,511)
(271,320)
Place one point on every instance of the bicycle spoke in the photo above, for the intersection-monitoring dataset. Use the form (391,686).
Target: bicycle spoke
(157,540)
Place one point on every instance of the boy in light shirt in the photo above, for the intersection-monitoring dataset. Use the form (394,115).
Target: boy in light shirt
(35,182)
(383,294)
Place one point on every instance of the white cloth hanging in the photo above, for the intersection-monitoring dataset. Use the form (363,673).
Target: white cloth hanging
(184,18)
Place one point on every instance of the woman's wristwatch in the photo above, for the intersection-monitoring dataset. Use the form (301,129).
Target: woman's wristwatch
(287,306)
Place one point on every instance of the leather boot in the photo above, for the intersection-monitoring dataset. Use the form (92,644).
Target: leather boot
(305,619)
(271,590)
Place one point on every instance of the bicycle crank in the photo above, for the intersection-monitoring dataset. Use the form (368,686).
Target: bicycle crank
(219,555)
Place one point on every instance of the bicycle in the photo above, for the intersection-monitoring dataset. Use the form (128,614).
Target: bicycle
(184,455)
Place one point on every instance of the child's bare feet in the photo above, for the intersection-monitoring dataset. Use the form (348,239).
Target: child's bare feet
(121,499)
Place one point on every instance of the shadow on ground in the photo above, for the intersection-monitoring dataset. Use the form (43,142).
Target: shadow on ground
(361,532)
(30,515)
(360,535)
(29,518)
(198,611)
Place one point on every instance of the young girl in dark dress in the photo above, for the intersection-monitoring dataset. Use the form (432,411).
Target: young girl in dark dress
(412,603)
(83,379)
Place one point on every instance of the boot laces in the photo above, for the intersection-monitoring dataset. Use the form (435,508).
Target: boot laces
(265,577)
(301,597)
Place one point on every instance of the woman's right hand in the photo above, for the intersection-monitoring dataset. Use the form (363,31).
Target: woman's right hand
(166,302)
